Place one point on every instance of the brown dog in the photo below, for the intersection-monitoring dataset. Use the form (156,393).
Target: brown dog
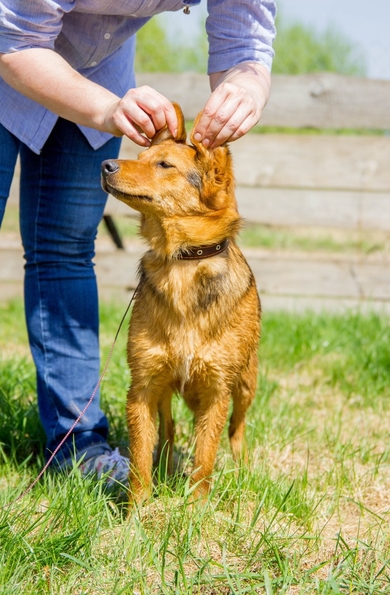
(195,323)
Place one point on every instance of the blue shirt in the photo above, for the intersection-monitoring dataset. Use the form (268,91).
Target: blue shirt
(97,38)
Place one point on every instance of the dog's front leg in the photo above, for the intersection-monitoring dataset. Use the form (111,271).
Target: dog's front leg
(210,419)
(243,394)
(141,419)
(166,435)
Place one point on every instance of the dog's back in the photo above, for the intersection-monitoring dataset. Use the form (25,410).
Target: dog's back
(195,323)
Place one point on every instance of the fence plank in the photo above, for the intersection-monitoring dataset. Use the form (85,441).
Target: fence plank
(320,100)
(283,274)
(315,208)
(304,208)
(325,100)
(337,305)
(305,161)
(277,274)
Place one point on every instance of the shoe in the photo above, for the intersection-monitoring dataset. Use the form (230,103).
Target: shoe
(112,466)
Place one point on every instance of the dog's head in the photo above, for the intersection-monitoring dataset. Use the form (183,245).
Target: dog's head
(187,188)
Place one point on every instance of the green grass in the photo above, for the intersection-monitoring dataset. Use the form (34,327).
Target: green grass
(308,515)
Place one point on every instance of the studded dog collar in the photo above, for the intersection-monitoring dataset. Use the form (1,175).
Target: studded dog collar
(199,252)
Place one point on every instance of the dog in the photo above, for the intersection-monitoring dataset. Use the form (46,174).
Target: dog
(195,324)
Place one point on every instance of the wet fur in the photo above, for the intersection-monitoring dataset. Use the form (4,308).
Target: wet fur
(195,323)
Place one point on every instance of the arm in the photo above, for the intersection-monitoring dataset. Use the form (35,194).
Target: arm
(240,57)
(44,76)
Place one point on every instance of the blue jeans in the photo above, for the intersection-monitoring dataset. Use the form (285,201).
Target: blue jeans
(61,205)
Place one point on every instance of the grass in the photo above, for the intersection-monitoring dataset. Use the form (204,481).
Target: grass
(308,515)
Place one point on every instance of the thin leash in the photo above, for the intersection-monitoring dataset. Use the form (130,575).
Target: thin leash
(54,453)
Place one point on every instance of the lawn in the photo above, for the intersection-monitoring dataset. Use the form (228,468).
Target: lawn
(309,514)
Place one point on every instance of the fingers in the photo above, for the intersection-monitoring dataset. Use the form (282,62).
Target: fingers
(229,113)
(140,114)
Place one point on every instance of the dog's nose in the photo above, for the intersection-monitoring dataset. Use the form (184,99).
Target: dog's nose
(109,167)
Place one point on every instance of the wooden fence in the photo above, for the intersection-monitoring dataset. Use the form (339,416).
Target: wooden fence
(327,180)
(308,180)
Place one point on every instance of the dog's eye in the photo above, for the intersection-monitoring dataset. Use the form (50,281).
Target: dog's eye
(164,164)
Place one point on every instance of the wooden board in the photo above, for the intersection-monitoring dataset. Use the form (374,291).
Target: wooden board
(315,208)
(279,274)
(306,161)
(364,211)
(302,275)
(325,100)
(337,305)
(276,273)
(320,100)
(348,209)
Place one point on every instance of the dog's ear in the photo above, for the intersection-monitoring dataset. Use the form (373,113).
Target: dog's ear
(216,166)
(200,148)
(164,133)
(218,181)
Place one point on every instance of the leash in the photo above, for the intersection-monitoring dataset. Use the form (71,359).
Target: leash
(52,456)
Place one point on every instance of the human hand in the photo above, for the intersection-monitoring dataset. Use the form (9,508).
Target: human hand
(140,114)
(235,105)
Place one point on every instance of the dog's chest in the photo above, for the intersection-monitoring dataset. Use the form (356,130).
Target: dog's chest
(194,290)
(185,353)
(188,339)
(187,312)
(191,357)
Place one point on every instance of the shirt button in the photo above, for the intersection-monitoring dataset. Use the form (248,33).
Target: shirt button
(107,35)
(93,63)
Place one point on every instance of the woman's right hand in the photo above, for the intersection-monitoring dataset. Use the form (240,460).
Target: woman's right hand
(140,114)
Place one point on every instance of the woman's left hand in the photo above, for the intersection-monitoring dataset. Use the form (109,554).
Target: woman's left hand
(235,105)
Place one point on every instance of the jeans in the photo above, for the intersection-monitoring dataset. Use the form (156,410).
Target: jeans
(61,205)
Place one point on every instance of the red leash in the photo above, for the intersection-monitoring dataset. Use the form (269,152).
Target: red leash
(30,487)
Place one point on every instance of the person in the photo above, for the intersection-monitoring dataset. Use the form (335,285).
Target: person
(68,95)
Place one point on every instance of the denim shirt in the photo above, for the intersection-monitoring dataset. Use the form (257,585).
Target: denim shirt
(97,38)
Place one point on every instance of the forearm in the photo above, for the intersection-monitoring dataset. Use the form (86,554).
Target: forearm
(45,77)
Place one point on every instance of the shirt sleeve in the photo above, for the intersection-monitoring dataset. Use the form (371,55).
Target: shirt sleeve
(240,31)
(31,24)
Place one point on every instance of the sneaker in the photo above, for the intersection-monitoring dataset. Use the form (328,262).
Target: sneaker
(112,466)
